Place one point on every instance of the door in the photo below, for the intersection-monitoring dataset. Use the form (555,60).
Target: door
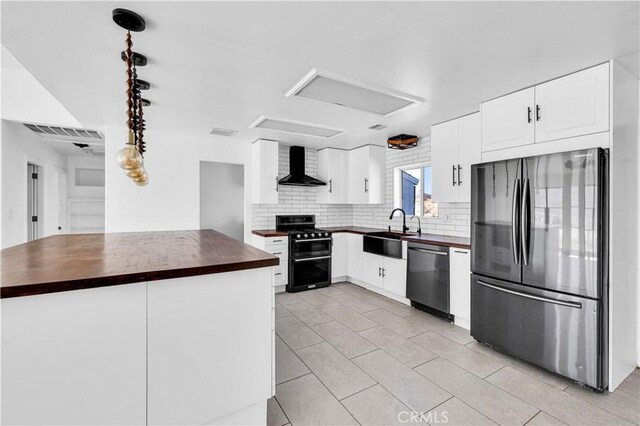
(372,269)
(460,286)
(507,121)
(469,152)
(339,258)
(358,176)
(444,161)
(265,175)
(428,276)
(394,275)
(309,272)
(566,237)
(495,218)
(332,169)
(555,331)
(577,104)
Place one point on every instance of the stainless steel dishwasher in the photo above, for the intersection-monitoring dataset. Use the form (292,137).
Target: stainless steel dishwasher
(428,278)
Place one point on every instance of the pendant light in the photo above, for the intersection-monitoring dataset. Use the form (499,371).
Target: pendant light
(130,158)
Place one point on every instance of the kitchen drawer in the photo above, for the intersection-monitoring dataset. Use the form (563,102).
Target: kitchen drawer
(276,241)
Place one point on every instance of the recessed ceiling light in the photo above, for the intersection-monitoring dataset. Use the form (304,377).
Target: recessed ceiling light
(221,132)
(335,89)
(296,127)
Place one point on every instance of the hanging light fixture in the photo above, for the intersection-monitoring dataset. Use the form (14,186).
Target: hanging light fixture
(131,157)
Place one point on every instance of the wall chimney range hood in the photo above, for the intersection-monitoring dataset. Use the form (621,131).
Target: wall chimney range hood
(297,176)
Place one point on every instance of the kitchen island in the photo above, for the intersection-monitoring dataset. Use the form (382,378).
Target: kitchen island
(136,328)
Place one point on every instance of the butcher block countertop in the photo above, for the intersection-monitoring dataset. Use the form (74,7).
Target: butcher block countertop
(436,239)
(74,262)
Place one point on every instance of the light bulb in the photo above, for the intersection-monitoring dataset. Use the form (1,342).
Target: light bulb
(128,157)
(135,173)
(141,180)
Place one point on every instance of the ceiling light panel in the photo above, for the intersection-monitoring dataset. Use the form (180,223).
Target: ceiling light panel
(296,127)
(222,132)
(326,87)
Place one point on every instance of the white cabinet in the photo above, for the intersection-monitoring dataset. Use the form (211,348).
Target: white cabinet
(265,172)
(209,343)
(460,286)
(367,175)
(355,265)
(577,104)
(574,105)
(455,146)
(75,357)
(339,257)
(394,275)
(277,246)
(372,269)
(333,169)
(508,121)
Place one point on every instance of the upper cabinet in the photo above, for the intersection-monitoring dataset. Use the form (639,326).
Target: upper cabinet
(575,105)
(265,172)
(333,169)
(455,146)
(367,175)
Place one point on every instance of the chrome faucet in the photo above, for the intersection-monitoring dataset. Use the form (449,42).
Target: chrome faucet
(405,228)
(419,225)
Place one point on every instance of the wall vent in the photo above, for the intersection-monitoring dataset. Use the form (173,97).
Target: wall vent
(296,127)
(65,133)
(221,132)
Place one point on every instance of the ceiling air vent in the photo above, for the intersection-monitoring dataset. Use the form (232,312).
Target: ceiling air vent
(65,133)
(338,90)
(296,127)
(222,132)
(377,127)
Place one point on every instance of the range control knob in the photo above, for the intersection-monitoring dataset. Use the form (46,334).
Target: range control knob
(306,235)
(313,235)
(298,236)
(326,234)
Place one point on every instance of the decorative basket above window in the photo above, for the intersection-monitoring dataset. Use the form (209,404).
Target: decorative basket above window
(402,141)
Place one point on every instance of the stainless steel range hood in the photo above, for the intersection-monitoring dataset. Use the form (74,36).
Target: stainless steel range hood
(297,176)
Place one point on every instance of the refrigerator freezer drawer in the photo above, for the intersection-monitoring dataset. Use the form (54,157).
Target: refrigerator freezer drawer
(555,331)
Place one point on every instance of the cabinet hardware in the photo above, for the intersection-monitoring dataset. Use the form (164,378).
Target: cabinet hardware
(276,253)
(461,252)
(421,250)
(278,273)
(537,112)
(459,178)
(309,259)
(528,114)
(366,185)
(379,271)
(330,186)
(515,218)
(454,175)
(276,241)
(383,272)
(276,183)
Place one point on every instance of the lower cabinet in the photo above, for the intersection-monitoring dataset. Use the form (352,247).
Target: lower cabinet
(339,256)
(277,246)
(386,273)
(460,286)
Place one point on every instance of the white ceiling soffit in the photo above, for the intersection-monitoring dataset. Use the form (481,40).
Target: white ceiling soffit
(67,134)
(335,89)
(296,127)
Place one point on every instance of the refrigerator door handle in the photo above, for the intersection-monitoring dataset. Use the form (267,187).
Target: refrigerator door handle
(525,221)
(515,221)
(575,305)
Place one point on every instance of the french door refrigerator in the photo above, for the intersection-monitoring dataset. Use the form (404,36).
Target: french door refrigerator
(539,247)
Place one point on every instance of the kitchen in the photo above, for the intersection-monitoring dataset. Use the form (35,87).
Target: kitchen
(405,216)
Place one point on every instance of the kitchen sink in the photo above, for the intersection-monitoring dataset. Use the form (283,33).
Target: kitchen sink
(384,243)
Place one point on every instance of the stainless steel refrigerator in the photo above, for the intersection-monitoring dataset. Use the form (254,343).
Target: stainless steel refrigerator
(539,256)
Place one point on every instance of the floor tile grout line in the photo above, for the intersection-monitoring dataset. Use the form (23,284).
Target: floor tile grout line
(282,408)
(599,406)
(532,417)
(294,378)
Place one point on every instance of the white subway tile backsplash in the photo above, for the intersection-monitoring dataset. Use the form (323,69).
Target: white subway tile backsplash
(453,219)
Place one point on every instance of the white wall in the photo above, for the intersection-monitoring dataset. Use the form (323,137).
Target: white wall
(24,99)
(19,146)
(171,200)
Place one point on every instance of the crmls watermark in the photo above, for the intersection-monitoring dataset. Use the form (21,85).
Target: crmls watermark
(431,417)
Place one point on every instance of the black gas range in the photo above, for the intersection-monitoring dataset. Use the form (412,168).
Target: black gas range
(309,252)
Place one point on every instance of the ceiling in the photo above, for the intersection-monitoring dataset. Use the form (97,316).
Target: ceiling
(224,64)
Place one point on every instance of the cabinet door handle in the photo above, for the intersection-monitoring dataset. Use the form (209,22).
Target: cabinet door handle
(379,271)
(276,183)
(454,175)
(276,241)
(459,176)
(278,273)
(275,253)
(383,273)
(330,186)
(528,114)
(461,252)
(366,185)
(537,112)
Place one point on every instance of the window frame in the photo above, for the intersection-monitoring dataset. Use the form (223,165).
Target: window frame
(397,185)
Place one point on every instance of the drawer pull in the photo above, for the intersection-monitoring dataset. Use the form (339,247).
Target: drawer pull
(278,273)
(277,252)
(276,241)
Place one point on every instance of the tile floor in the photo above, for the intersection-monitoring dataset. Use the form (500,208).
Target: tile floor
(345,355)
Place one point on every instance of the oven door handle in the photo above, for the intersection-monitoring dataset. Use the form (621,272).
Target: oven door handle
(308,259)
(312,239)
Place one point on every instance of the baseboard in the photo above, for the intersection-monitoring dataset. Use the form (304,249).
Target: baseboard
(379,291)
(280,288)
(338,279)
(462,322)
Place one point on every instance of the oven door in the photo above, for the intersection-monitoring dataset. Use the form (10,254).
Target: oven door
(313,247)
(309,272)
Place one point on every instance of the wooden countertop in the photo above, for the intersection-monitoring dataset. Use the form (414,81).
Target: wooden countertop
(440,240)
(73,262)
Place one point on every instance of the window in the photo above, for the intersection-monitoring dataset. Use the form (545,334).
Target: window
(413,190)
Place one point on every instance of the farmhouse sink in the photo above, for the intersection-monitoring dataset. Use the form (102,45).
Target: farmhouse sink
(384,243)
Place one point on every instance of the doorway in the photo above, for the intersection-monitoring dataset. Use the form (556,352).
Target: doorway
(222,198)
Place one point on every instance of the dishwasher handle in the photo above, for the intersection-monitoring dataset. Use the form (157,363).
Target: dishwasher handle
(421,250)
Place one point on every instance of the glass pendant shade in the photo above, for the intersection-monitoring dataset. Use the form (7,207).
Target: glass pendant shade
(141,180)
(128,158)
(136,173)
